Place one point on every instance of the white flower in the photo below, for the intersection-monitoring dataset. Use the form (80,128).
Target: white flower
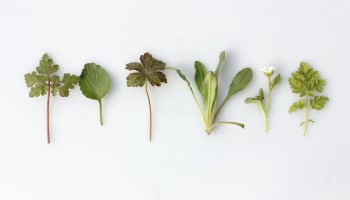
(268,70)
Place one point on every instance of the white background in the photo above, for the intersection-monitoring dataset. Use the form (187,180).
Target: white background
(89,162)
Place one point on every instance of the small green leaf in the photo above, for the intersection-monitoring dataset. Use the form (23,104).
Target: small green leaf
(30,79)
(46,65)
(94,84)
(135,79)
(276,81)
(297,105)
(240,81)
(318,102)
(37,90)
(256,99)
(221,60)
(94,81)
(200,73)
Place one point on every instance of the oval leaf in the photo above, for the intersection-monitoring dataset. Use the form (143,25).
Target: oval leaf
(240,81)
(94,81)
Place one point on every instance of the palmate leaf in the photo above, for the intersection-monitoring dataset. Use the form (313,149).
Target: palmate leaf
(94,83)
(148,70)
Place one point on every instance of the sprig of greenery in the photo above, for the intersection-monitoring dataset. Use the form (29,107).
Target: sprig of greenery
(307,83)
(149,70)
(94,84)
(43,82)
(207,85)
(259,100)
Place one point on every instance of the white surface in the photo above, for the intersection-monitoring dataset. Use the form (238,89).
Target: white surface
(116,161)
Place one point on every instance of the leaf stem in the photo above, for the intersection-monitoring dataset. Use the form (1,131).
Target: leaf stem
(306,114)
(101,118)
(267,103)
(150,112)
(264,114)
(48,112)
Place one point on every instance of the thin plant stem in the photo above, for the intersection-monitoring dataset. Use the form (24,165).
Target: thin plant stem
(306,114)
(48,112)
(101,118)
(150,112)
(267,103)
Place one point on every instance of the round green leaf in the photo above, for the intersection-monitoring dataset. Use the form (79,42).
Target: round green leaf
(94,81)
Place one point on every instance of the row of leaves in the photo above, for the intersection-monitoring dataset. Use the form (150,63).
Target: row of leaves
(94,83)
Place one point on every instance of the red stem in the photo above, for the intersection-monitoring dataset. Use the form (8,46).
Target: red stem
(48,113)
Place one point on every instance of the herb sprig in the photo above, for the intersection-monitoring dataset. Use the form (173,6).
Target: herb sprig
(259,100)
(307,83)
(44,81)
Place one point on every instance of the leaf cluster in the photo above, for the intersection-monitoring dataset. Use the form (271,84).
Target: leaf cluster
(38,81)
(207,85)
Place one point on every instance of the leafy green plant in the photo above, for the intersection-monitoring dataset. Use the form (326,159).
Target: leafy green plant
(207,85)
(307,83)
(43,81)
(259,100)
(149,70)
(94,84)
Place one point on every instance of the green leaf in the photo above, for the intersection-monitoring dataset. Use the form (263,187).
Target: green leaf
(37,90)
(256,99)
(201,71)
(221,60)
(94,84)
(210,87)
(136,79)
(94,81)
(30,79)
(318,102)
(148,70)
(276,81)
(297,105)
(240,81)
(46,65)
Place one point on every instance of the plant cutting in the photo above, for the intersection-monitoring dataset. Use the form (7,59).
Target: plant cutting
(94,84)
(307,83)
(207,85)
(259,100)
(44,81)
(148,71)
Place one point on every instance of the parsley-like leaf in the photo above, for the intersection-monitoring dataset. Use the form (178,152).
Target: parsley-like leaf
(306,82)
(43,82)
(149,70)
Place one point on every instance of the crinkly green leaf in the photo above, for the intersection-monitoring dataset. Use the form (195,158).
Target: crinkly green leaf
(297,105)
(318,102)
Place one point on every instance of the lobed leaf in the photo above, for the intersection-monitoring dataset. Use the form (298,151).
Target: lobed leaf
(46,65)
(30,79)
(297,105)
(318,102)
